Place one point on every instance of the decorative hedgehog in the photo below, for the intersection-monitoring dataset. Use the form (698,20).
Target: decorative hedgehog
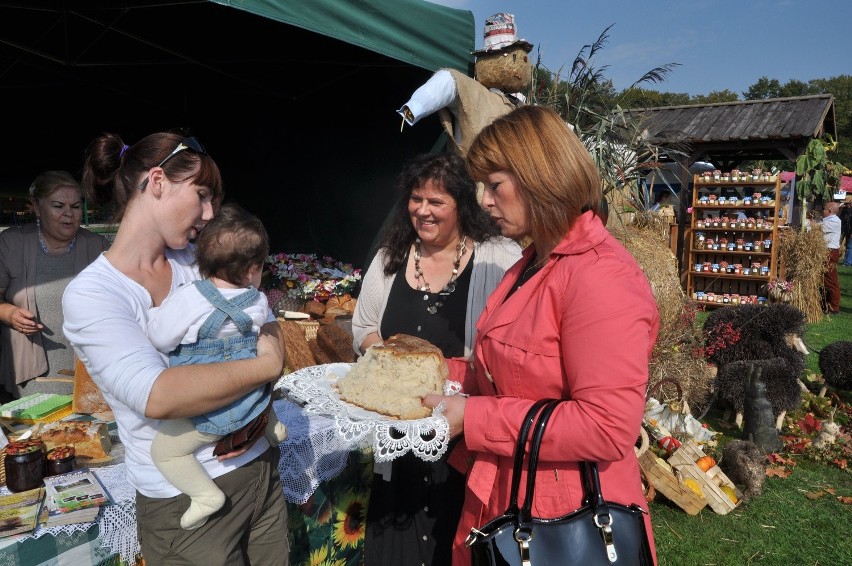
(835,364)
(744,463)
(768,337)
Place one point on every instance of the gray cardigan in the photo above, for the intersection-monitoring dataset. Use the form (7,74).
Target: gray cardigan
(22,357)
(490,261)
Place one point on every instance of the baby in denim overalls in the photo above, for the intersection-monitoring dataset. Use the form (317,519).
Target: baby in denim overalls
(215,319)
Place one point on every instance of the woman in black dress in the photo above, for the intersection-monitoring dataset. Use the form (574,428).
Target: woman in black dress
(438,260)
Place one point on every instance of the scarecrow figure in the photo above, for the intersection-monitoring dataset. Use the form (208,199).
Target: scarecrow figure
(465,105)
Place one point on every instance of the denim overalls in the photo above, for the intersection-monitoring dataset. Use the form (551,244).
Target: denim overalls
(209,349)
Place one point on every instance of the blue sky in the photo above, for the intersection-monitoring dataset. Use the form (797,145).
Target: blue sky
(720,44)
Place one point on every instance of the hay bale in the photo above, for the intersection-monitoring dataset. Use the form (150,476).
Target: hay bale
(679,338)
(804,256)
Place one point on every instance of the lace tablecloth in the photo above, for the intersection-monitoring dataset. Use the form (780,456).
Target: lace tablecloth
(323,431)
(117,522)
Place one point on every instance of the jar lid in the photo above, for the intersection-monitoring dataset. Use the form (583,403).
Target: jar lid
(61,453)
(23,447)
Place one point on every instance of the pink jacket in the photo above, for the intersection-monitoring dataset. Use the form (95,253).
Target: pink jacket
(582,329)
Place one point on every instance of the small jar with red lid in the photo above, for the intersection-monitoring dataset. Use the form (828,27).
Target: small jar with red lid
(60,460)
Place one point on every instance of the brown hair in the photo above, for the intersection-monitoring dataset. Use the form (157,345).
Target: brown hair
(113,171)
(557,177)
(47,182)
(231,243)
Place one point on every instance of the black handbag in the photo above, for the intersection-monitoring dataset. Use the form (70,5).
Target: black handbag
(598,533)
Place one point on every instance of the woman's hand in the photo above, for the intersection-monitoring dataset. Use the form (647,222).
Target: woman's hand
(24,321)
(453,411)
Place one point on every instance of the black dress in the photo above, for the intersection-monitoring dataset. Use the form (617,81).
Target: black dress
(412,519)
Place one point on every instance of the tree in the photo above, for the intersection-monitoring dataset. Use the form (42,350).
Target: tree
(716,96)
(764,88)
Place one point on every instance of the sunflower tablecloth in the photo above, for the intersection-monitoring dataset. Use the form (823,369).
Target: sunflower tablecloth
(327,496)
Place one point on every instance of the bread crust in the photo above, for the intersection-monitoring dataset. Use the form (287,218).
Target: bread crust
(392,377)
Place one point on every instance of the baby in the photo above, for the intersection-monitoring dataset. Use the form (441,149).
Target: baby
(215,319)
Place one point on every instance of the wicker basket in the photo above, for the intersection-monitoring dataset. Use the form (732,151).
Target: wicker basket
(310,327)
(667,483)
(286,303)
(683,460)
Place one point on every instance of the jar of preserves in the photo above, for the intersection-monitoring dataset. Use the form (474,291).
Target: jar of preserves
(60,460)
(24,465)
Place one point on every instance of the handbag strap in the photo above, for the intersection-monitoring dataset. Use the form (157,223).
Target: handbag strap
(591,487)
(520,450)
(532,464)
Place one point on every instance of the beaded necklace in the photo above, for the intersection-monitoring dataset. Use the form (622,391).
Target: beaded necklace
(43,245)
(432,308)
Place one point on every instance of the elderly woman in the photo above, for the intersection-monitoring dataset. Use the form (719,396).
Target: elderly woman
(574,319)
(36,263)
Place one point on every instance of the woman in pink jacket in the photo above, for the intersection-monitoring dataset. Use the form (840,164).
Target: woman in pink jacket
(573,319)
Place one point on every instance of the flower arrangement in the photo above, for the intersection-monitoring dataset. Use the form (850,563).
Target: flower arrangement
(781,285)
(780,290)
(309,277)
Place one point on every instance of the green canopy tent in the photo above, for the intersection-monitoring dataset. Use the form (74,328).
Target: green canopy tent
(295,100)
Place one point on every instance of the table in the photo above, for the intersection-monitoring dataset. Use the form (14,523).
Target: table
(326,481)
(111,540)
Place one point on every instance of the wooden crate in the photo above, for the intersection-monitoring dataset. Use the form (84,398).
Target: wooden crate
(683,460)
(667,483)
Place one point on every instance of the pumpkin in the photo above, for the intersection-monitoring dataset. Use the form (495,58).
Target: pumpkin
(705,463)
(729,491)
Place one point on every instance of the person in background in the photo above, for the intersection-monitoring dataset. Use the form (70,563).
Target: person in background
(214,319)
(36,263)
(574,319)
(439,258)
(831,232)
(846,231)
(165,188)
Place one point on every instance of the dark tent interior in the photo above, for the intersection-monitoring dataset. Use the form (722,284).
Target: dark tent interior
(303,125)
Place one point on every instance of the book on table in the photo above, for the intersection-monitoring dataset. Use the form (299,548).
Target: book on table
(55,518)
(19,512)
(73,491)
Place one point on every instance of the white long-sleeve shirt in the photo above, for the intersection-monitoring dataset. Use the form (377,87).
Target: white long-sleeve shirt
(106,316)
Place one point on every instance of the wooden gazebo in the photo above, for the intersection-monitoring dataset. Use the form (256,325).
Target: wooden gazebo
(730,133)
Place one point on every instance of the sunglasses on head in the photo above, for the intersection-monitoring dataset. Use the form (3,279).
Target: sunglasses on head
(186,143)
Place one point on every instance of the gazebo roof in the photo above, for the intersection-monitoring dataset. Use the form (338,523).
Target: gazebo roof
(730,133)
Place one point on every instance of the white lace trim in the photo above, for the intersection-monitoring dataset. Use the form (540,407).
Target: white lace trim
(323,430)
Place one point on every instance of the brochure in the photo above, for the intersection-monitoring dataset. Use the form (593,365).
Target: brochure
(75,490)
(19,512)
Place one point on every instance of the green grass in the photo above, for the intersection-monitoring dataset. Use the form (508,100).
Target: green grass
(782,526)
(779,527)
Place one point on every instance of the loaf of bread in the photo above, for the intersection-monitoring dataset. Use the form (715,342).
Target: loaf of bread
(340,305)
(88,398)
(314,308)
(319,355)
(295,347)
(90,439)
(393,376)
(336,343)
